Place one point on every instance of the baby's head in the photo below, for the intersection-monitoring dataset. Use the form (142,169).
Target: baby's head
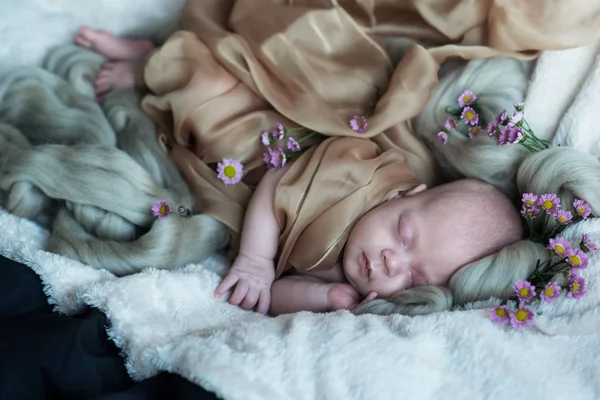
(425,236)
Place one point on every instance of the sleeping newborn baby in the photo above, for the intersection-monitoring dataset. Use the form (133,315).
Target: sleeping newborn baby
(417,238)
(352,244)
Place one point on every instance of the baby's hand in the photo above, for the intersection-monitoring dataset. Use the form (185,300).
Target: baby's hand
(343,296)
(370,297)
(252,279)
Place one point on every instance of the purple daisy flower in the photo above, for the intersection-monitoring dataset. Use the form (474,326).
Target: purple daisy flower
(474,131)
(502,118)
(571,273)
(230,171)
(583,209)
(161,209)
(492,128)
(529,200)
(443,137)
(576,288)
(560,246)
(500,315)
(577,258)
(293,145)
(359,124)
(265,137)
(514,134)
(516,119)
(586,244)
(550,292)
(467,97)
(267,158)
(469,116)
(278,158)
(563,217)
(549,203)
(521,317)
(502,138)
(450,124)
(279,132)
(525,291)
(530,212)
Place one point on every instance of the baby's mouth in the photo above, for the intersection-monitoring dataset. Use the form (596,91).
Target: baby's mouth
(365,265)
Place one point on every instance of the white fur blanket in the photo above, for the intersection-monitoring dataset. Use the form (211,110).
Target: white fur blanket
(170,320)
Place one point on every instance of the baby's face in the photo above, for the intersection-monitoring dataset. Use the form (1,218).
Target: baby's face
(404,243)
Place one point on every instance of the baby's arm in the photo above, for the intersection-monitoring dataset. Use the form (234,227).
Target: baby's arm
(309,293)
(260,233)
(299,293)
(253,270)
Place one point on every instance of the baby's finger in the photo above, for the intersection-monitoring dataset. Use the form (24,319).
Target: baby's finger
(370,297)
(226,284)
(250,299)
(239,293)
(264,301)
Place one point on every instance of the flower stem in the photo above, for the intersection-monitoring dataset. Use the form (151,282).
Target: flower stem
(545,224)
(311,134)
(551,272)
(541,142)
(524,144)
(555,230)
(530,225)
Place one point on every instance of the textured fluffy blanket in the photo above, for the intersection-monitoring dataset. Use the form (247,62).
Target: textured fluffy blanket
(170,320)
(28,28)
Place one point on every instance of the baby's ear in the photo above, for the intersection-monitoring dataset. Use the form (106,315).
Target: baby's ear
(422,187)
(411,192)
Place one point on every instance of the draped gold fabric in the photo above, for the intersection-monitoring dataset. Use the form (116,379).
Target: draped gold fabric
(316,63)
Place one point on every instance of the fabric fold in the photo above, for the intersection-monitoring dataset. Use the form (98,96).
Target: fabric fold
(240,67)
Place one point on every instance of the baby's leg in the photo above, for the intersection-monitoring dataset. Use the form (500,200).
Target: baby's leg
(119,75)
(307,293)
(127,57)
(112,47)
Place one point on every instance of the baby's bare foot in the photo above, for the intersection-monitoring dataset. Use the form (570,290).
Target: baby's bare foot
(117,75)
(112,47)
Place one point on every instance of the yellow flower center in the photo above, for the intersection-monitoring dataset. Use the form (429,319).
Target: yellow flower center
(549,291)
(474,131)
(521,315)
(470,115)
(575,260)
(467,99)
(548,204)
(230,171)
(529,202)
(524,292)
(562,219)
(560,250)
(500,312)
(530,213)
(359,122)
(580,210)
(163,209)
(575,287)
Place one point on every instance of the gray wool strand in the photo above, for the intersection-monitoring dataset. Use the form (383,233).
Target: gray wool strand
(96,170)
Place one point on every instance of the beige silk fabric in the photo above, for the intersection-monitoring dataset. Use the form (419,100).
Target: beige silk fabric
(315,64)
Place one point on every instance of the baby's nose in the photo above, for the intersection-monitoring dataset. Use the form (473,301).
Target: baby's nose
(394,263)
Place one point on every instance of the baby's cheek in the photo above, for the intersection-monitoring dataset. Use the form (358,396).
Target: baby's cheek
(390,286)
